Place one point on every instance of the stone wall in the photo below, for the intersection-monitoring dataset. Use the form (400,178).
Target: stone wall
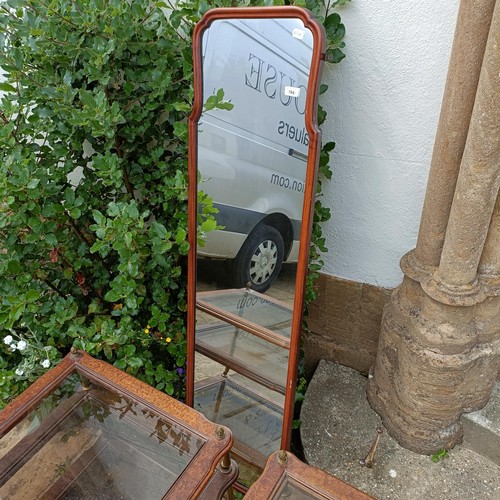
(344,323)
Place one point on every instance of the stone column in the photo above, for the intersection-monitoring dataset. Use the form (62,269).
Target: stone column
(471,33)
(489,267)
(479,178)
(439,349)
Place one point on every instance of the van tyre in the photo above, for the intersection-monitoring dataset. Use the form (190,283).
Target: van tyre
(259,260)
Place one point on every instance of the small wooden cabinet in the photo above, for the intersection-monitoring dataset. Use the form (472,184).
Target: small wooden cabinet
(87,430)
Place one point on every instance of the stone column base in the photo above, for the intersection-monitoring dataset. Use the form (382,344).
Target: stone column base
(435,362)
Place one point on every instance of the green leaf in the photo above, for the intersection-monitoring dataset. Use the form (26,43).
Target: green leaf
(16,311)
(169,388)
(180,236)
(131,302)
(32,296)
(225,105)
(121,364)
(75,213)
(112,296)
(132,211)
(208,225)
(135,362)
(6,87)
(332,26)
(87,98)
(98,217)
(129,350)
(334,55)
(329,146)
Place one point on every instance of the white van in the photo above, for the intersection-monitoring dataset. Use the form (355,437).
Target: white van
(252,159)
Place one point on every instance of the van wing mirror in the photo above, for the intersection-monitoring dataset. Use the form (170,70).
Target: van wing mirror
(253,156)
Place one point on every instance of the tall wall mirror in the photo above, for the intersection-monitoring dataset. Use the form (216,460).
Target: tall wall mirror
(253,154)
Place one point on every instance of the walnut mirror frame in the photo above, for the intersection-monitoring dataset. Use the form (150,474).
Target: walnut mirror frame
(272,25)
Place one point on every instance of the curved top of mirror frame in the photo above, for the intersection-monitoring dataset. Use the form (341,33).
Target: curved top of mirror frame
(283,12)
(316,31)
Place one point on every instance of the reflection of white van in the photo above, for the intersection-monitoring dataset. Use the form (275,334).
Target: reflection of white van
(252,159)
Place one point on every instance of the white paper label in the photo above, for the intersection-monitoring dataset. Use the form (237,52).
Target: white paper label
(298,33)
(292,91)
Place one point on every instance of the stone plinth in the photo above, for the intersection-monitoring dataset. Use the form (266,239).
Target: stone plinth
(435,361)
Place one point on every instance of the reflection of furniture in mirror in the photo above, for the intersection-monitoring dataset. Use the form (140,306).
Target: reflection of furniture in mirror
(253,150)
(252,339)
(87,430)
(285,476)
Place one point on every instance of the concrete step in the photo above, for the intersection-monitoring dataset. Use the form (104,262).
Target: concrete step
(482,428)
(339,426)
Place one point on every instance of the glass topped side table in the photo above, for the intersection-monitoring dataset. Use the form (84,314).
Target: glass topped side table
(86,430)
(286,477)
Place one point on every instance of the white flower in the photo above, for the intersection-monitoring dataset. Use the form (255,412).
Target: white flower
(21,345)
(45,363)
(8,339)
(19,372)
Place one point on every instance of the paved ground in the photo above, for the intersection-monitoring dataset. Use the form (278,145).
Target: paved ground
(339,426)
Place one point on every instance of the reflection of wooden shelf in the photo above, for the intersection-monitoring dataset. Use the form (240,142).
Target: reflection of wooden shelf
(254,421)
(252,338)
(245,353)
(254,312)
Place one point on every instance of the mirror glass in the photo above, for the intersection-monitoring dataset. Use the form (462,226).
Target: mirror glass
(252,159)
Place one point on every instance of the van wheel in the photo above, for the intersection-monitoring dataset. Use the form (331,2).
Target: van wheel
(259,260)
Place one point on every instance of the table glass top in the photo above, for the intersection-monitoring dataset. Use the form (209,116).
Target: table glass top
(86,442)
(291,489)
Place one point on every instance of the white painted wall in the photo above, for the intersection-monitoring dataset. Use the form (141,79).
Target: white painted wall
(383,106)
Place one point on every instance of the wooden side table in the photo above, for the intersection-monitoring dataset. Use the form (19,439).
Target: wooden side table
(286,477)
(88,430)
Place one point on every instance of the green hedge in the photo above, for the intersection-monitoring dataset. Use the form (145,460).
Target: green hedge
(93,184)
